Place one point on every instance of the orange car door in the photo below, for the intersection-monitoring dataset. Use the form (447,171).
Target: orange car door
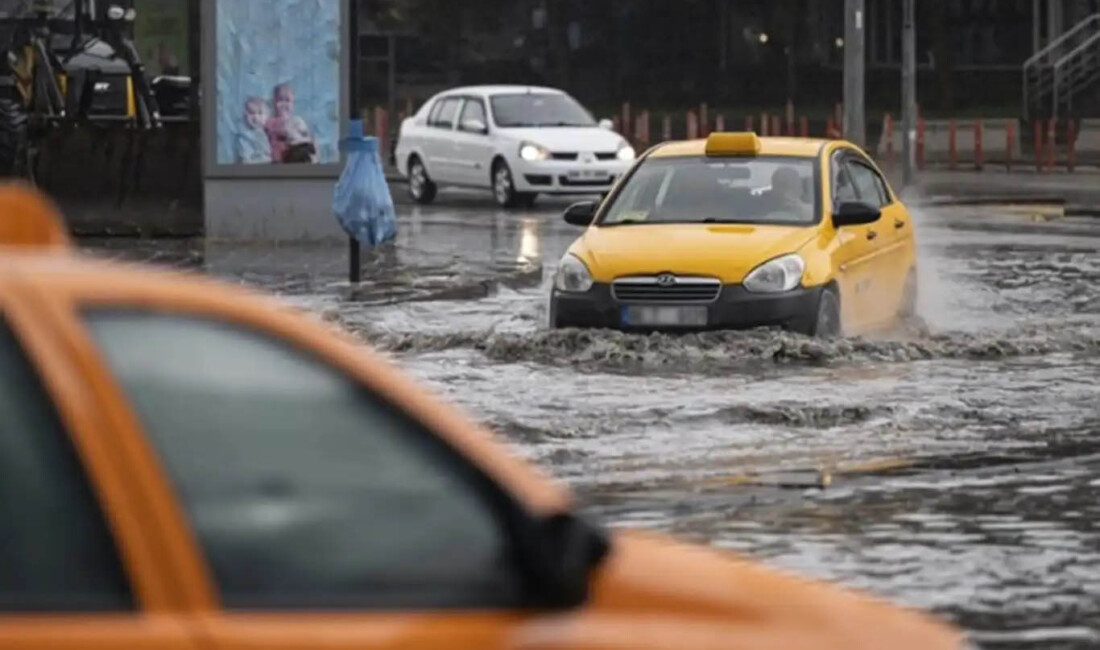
(326,516)
(70,574)
(855,249)
(891,255)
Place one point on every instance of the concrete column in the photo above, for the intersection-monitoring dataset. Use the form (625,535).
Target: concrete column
(855,18)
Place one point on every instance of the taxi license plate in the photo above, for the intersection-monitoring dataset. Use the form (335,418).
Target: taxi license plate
(640,316)
(587,174)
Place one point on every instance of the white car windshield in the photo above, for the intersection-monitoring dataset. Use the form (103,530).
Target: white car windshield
(539,109)
(769,190)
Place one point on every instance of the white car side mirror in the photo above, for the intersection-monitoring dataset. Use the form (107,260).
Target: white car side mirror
(474,126)
(607,124)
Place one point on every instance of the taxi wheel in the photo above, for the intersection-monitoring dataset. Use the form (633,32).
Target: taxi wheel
(421,188)
(827,324)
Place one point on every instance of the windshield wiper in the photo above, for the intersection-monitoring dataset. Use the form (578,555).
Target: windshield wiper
(716,220)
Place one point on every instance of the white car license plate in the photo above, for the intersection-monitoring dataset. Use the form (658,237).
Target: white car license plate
(664,316)
(587,174)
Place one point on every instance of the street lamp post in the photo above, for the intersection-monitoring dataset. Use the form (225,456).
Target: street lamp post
(908,93)
(854,122)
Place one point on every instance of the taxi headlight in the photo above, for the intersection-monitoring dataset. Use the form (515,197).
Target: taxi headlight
(573,275)
(626,153)
(532,152)
(781,274)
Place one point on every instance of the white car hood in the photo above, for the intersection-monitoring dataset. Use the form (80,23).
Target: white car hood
(568,138)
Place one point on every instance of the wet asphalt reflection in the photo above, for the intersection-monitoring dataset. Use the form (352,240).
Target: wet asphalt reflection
(954,466)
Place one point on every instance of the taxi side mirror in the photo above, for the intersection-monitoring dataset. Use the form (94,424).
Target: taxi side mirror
(567,549)
(855,213)
(581,214)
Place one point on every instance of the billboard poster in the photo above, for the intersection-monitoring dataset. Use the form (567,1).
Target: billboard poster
(278,84)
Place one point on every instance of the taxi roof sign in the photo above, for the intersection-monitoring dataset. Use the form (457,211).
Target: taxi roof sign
(29,218)
(733,144)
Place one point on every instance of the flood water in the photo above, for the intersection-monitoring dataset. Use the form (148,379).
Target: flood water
(954,467)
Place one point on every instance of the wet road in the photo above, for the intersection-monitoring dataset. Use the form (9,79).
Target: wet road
(955,468)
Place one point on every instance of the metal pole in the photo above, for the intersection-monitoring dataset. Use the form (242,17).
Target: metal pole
(908,92)
(854,123)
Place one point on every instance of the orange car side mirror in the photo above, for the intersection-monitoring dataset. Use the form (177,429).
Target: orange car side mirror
(28,218)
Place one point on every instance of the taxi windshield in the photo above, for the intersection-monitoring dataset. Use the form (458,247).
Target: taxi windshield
(761,190)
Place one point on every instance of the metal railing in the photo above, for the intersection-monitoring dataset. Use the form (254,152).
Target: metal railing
(1047,71)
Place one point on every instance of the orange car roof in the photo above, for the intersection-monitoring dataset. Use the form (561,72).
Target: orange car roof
(29,219)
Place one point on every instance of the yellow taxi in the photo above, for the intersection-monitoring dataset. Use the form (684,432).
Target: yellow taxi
(186,466)
(738,231)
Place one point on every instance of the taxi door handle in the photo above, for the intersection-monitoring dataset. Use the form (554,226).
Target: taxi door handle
(871,234)
(899,223)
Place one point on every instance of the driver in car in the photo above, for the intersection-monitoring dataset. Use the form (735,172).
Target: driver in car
(786,199)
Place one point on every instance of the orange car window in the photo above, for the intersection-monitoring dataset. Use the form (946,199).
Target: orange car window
(57,554)
(305,490)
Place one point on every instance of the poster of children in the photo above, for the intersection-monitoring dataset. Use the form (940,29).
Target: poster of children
(278,81)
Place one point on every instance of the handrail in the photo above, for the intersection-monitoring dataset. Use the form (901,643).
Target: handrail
(1084,24)
(1088,42)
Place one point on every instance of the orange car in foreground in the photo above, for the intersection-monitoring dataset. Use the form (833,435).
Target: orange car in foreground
(184,465)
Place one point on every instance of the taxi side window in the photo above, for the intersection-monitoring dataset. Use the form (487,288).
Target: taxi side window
(305,489)
(57,553)
(868,184)
(843,187)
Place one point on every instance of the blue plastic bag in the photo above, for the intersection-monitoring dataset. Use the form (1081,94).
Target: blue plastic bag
(362,201)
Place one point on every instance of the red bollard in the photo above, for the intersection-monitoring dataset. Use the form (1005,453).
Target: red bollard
(1010,138)
(1051,143)
(790,118)
(920,143)
(704,120)
(776,128)
(666,128)
(692,125)
(748,123)
(978,145)
(1038,146)
(720,123)
(1071,135)
(805,127)
(764,124)
(382,131)
(952,147)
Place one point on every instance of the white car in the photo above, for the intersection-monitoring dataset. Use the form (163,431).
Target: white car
(518,141)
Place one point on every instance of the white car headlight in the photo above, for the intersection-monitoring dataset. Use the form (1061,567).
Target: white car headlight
(626,153)
(532,152)
(573,275)
(781,274)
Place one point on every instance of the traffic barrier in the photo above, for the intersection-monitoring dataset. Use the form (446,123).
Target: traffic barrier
(1051,143)
(957,142)
(805,127)
(1070,145)
(764,124)
(748,123)
(1038,146)
(720,123)
(776,128)
(920,143)
(952,145)
(692,125)
(978,145)
(790,118)
(1087,142)
(666,128)
(704,120)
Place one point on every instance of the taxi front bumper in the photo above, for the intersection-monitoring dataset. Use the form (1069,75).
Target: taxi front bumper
(735,308)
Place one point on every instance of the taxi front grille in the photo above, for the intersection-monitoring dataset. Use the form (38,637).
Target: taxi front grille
(666,289)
